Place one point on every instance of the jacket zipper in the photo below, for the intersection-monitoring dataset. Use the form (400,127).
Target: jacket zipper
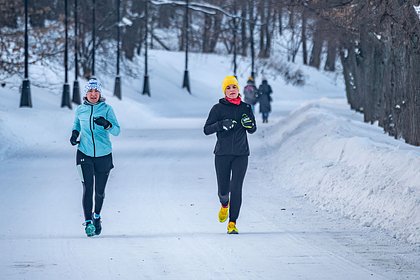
(91,130)
(234,132)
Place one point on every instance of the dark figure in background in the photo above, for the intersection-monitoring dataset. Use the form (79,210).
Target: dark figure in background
(264,98)
(251,93)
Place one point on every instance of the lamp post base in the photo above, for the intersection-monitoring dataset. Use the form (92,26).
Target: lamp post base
(25,97)
(117,87)
(146,86)
(65,99)
(76,93)
(186,82)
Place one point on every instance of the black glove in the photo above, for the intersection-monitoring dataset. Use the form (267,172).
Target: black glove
(247,122)
(102,122)
(228,124)
(73,138)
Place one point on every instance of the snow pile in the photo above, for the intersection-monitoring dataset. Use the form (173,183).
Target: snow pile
(326,152)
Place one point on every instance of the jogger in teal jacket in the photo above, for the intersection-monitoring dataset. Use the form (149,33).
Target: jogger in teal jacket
(94,121)
(94,139)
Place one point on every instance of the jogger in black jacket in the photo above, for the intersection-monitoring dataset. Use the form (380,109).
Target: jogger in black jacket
(230,119)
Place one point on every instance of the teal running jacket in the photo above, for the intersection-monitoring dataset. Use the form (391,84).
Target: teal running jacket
(94,139)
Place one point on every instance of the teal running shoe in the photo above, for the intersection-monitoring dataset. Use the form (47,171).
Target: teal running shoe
(89,228)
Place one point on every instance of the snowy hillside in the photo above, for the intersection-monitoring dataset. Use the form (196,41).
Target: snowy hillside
(326,196)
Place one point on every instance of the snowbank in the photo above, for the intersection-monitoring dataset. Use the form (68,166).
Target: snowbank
(328,154)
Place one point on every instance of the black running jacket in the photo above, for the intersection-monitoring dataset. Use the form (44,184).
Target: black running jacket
(233,141)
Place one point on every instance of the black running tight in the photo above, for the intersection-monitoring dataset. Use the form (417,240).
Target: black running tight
(230,171)
(91,179)
(94,173)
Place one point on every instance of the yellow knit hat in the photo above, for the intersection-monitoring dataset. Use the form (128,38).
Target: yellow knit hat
(229,80)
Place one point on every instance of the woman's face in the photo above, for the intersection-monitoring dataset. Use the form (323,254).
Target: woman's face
(232,91)
(93,96)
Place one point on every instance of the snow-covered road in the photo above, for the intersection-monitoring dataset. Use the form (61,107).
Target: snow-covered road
(160,220)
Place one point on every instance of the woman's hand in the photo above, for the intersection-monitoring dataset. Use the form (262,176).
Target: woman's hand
(227,124)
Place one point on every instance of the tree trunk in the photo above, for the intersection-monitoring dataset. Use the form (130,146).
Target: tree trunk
(315,60)
(215,34)
(280,19)
(304,45)
(206,33)
(331,54)
(263,20)
(244,39)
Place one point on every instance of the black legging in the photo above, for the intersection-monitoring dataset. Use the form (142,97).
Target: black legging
(94,172)
(90,178)
(230,171)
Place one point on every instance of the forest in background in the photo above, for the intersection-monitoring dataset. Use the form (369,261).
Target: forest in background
(376,42)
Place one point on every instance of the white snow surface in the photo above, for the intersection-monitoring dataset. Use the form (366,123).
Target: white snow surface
(326,196)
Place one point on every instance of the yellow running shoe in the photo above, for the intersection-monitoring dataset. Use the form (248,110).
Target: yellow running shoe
(223,213)
(232,228)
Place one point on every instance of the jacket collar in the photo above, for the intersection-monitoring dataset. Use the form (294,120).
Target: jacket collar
(225,102)
(101,100)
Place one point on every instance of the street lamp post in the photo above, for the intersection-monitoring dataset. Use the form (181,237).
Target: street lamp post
(146,85)
(117,87)
(186,81)
(25,98)
(235,25)
(93,39)
(252,40)
(76,89)
(234,47)
(65,99)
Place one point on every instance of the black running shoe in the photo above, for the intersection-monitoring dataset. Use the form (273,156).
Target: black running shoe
(97,223)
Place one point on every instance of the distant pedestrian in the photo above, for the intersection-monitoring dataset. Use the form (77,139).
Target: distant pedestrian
(94,121)
(251,93)
(230,119)
(265,99)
